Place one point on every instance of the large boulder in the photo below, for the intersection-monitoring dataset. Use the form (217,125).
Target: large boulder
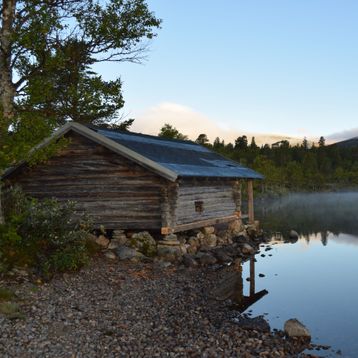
(294,328)
(144,243)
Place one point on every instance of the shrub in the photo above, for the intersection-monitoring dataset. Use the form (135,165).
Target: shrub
(47,235)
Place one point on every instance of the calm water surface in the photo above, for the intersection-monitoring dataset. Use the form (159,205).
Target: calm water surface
(315,278)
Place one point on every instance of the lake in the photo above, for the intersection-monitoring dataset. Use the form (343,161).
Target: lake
(315,278)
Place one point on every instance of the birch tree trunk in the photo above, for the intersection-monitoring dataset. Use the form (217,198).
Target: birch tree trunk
(7,89)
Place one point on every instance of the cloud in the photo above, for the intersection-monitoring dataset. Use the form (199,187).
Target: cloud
(347,134)
(192,123)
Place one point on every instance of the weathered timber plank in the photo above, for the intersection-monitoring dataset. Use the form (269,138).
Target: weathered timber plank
(95,196)
(202,223)
(206,215)
(205,190)
(111,189)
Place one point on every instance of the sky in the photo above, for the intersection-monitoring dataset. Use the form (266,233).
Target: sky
(269,68)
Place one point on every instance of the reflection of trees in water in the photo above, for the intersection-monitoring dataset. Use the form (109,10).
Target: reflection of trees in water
(308,214)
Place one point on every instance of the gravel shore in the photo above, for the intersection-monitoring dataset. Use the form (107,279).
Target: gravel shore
(118,309)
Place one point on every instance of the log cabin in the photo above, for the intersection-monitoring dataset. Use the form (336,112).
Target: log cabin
(131,181)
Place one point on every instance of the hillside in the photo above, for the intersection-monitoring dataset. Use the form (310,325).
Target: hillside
(349,143)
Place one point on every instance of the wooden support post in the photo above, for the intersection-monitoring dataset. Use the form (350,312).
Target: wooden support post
(169,194)
(165,207)
(250,195)
(237,197)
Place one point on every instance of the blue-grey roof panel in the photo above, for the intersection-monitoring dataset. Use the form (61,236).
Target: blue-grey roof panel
(185,158)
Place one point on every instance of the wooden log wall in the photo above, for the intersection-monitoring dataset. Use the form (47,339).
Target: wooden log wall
(217,197)
(114,191)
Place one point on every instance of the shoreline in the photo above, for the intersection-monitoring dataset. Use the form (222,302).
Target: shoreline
(121,309)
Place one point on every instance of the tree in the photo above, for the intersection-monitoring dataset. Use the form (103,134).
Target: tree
(253,144)
(50,46)
(202,139)
(321,142)
(67,88)
(241,143)
(170,132)
(219,145)
(304,143)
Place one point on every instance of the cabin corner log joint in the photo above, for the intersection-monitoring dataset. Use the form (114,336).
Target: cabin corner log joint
(133,181)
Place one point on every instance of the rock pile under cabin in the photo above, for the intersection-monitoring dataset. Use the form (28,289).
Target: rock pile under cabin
(135,187)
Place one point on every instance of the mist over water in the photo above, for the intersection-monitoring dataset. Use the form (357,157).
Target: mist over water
(314,278)
(311,213)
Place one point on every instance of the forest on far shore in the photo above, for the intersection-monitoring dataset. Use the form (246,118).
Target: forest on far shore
(310,167)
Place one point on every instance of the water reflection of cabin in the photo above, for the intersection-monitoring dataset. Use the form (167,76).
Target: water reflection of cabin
(132,181)
(232,287)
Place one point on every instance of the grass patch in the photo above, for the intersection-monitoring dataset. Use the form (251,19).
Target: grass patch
(6,294)
(10,310)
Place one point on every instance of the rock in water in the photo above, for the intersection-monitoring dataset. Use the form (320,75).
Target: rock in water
(294,328)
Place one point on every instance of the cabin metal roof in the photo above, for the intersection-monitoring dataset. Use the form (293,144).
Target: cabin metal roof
(185,158)
(168,158)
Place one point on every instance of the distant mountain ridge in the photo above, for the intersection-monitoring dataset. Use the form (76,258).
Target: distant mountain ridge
(348,143)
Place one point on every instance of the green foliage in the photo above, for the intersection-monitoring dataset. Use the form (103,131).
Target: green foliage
(46,235)
(298,167)
(55,45)
(202,139)
(170,132)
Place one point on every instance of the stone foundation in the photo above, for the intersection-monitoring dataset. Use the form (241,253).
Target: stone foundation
(196,243)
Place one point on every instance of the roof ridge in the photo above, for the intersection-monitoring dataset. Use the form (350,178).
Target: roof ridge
(96,128)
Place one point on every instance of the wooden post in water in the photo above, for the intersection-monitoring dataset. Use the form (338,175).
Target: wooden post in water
(250,196)
(252,276)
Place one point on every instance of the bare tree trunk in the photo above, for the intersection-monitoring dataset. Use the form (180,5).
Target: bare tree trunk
(7,89)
